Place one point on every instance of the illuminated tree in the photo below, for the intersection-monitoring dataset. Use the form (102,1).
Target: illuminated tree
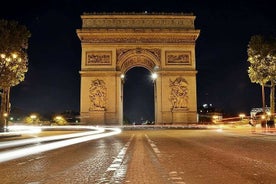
(31,120)
(59,120)
(262,57)
(13,61)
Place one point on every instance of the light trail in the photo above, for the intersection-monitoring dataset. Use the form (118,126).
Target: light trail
(22,129)
(34,149)
(8,144)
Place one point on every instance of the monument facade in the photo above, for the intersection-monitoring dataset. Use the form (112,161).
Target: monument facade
(113,43)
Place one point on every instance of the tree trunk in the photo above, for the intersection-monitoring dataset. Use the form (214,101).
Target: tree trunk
(263,97)
(5,108)
(272,99)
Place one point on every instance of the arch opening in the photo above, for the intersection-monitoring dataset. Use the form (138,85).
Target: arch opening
(138,100)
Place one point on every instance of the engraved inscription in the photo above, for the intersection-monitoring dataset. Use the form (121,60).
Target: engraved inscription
(98,58)
(178,58)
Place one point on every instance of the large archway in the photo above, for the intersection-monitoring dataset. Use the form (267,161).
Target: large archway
(138,97)
(114,43)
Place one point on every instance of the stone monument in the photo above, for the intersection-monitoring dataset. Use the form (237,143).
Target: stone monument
(113,43)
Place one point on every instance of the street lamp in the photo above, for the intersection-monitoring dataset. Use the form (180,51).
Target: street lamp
(58,118)
(154,76)
(242,116)
(34,118)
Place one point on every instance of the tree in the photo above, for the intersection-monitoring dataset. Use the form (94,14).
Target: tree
(262,57)
(13,61)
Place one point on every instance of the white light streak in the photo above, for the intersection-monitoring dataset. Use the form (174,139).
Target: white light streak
(34,149)
(13,143)
(219,130)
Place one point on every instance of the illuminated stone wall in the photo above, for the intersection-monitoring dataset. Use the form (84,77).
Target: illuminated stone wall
(114,43)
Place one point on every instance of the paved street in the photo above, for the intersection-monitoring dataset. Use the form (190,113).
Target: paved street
(193,156)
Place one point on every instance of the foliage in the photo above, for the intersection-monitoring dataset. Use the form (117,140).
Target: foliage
(14,60)
(59,120)
(31,121)
(262,58)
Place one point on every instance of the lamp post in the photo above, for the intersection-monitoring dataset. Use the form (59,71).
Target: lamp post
(154,77)
(122,76)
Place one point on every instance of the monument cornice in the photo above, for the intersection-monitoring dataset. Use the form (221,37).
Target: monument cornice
(133,30)
(143,37)
(138,13)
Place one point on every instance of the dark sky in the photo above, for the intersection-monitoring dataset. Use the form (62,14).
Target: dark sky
(52,83)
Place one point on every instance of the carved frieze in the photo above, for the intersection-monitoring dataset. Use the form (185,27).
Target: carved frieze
(178,58)
(155,52)
(97,95)
(98,58)
(138,21)
(179,94)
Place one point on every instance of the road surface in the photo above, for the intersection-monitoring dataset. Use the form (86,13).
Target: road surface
(153,156)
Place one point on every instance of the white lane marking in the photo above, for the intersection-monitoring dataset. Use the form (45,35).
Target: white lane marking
(153,146)
(173,175)
(116,167)
(175,178)
(7,144)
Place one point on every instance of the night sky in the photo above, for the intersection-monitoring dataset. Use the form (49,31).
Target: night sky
(52,83)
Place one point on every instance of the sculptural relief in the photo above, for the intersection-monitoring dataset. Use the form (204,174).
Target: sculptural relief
(97,95)
(179,93)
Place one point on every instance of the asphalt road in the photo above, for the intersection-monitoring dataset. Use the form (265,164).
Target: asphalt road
(153,156)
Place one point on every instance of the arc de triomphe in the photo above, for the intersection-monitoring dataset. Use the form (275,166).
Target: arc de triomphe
(113,43)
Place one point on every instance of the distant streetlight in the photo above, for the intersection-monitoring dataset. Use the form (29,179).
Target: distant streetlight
(242,115)
(215,118)
(33,116)
(58,117)
(5,114)
(60,120)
